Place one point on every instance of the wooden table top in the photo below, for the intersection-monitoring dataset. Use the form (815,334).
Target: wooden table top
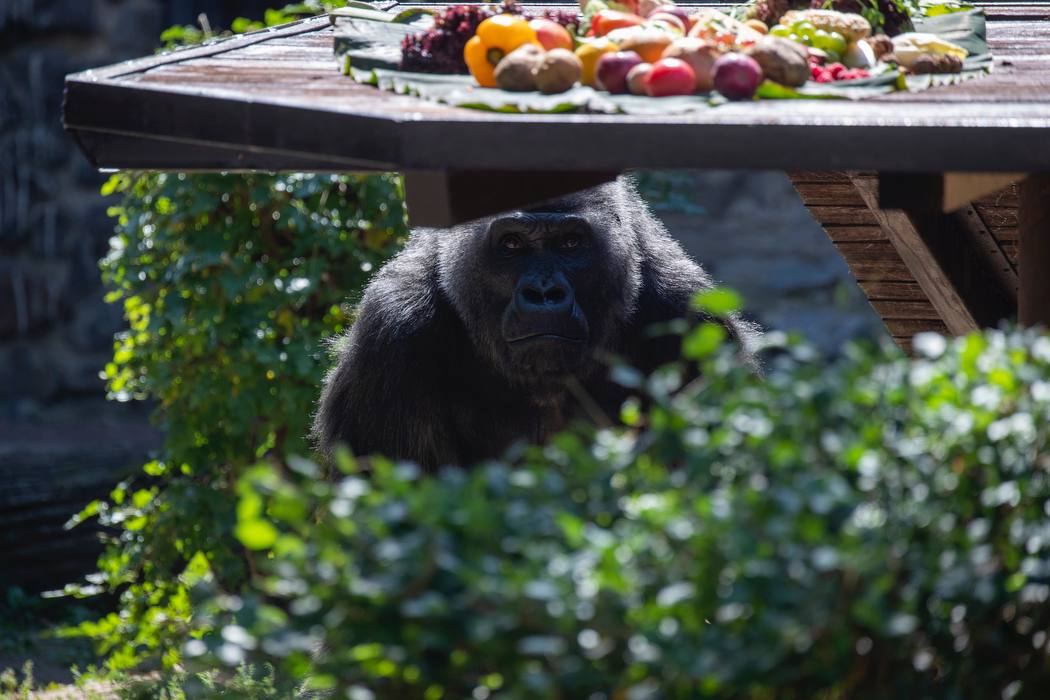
(276,100)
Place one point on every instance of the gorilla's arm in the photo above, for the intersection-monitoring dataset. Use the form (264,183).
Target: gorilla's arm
(384,395)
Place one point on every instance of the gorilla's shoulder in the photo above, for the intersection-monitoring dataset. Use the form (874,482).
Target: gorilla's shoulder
(404,297)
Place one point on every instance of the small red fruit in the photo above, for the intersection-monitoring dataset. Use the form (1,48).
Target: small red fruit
(551,35)
(612,69)
(737,76)
(670,76)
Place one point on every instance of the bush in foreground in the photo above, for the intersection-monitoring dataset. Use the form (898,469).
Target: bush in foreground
(879,528)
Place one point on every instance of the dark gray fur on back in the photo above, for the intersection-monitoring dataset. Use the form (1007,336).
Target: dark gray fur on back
(424,374)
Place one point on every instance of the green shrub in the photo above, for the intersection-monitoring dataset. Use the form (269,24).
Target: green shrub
(231,285)
(877,528)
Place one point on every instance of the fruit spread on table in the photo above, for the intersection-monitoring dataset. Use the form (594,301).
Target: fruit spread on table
(657,49)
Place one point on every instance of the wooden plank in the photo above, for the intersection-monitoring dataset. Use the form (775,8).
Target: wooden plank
(880,272)
(921,261)
(914,310)
(210,48)
(907,327)
(1002,233)
(843,215)
(998,217)
(828,193)
(847,234)
(873,251)
(893,291)
(1034,233)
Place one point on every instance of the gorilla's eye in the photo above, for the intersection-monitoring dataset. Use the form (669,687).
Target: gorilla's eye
(570,241)
(511,242)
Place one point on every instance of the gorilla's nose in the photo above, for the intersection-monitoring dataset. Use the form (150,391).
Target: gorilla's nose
(548,295)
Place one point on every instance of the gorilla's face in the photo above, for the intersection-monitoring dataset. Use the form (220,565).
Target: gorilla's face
(538,290)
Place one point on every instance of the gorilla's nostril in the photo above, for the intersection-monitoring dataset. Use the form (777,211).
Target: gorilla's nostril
(555,295)
(532,296)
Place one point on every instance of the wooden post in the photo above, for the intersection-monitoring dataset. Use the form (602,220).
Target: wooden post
(1033,229)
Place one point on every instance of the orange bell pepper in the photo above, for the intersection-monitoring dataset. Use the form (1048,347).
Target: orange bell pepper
(496,37)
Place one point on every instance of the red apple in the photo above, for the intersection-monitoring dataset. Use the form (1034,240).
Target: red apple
(551,35)
(670,76)
(700,55)
(611,73)
(737,76)
(636,78)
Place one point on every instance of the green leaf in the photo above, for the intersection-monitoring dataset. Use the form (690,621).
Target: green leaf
(719,302)
(703,341)
(256,534)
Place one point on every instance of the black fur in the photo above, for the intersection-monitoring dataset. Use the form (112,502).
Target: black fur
(427,372)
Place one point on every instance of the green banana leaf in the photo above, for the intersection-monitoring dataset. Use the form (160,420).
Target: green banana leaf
(370,46)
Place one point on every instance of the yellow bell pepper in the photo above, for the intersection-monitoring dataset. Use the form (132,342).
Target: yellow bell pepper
(496,37)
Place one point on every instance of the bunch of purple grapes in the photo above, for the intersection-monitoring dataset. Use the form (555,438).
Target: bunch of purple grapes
(440,49)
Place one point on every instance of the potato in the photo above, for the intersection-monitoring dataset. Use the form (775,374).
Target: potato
(782,61)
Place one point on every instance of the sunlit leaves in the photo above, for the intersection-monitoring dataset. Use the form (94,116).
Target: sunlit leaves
(230,285)
(863,530)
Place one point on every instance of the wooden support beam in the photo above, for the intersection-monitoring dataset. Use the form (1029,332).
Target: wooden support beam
(442,198)
(940,192)
(920,259)
(1034,232)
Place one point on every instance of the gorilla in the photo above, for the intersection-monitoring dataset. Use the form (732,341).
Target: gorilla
(500,329)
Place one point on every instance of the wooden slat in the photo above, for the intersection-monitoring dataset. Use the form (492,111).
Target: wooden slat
(998,217)
(913,310)
(829,193)
(854,233)
(893,291)
(843,215)
(872,251)
(880,272)
(909,327)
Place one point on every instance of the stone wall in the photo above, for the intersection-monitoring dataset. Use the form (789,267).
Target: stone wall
(62,443)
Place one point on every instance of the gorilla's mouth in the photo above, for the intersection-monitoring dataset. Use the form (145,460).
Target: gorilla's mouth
(530,337)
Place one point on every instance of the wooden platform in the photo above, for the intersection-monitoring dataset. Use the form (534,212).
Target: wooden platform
(974,249)
(275,100)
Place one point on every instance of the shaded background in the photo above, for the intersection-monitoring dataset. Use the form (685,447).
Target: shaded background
(62,443)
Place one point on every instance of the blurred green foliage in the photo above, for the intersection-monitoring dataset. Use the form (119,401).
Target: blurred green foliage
(230,284)
(877,528)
